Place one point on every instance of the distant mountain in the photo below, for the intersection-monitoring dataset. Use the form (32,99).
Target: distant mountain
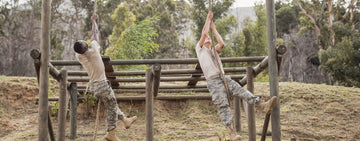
(241,13)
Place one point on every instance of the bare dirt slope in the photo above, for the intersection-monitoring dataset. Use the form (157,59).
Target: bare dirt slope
(308,112)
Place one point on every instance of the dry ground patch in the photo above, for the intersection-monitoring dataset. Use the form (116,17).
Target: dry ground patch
(308,112)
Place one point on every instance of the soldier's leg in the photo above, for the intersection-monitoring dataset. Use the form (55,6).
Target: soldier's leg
(236,90)
(111,108)
(219,98)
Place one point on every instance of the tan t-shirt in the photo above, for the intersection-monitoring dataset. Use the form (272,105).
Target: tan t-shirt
(92,62)
(207,62)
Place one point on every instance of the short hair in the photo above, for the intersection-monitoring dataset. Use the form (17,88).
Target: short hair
(79,47)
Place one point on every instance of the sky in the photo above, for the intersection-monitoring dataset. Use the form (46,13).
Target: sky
(246,3)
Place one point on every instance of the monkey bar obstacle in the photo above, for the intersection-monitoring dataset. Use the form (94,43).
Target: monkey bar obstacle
(153,79)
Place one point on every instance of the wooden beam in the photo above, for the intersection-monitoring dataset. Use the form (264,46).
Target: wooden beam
(44,72)
(251,107)
(195,76)
(273,70)
(149,106)
(162,79)
(163,72)
(237,114)
(73,109)
(265,127)
(142,98)
(155,70)
(161,61)
(62,105)
(109,69)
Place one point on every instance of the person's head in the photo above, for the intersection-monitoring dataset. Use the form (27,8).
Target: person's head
(208,41)
(80,47)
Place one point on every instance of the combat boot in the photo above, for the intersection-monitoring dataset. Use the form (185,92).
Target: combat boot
(268,105)
(233,135)
(128,121)
(111,135)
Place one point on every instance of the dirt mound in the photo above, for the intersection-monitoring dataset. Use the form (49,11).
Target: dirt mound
(308,112)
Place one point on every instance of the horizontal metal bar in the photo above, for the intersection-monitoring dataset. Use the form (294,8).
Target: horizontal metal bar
(160,61)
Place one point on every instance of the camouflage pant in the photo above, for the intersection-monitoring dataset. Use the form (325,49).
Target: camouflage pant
(103,91)
(219,96)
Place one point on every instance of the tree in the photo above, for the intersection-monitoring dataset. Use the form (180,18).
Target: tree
(199,12)
(136,42)
(171,17)
(342,62)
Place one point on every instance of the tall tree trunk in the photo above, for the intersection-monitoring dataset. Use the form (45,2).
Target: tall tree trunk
(317,29)
(330,10)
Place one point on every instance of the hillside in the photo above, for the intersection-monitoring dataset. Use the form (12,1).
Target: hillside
(308,112)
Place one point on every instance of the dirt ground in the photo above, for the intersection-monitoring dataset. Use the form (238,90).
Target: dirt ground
(308,112)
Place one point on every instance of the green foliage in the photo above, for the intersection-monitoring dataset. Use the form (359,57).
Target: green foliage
(136,42)
(199,12)
(123,18)
(105,8)
(57,47)
(55,108)
(170,22)
(286,18)
(342,62)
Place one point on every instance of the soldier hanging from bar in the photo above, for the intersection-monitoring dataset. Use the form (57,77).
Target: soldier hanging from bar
(217,85)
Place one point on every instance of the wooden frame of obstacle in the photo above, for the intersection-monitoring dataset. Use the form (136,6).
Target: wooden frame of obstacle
(69,79)
(43,68)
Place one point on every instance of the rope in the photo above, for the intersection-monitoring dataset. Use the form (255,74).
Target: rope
(216,55)
(99,101)
(95,7)
(97,119)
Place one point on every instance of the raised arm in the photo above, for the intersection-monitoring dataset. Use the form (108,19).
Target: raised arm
(219,39)
(95,30)
(205,29)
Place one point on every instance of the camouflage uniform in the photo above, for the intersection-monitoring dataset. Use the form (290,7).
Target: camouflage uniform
(219,96)
(103,91)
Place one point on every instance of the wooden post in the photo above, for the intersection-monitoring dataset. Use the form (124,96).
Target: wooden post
(62,105)
(237,114)
(196,76)
(265,127)
(44,72)
(51,131)
(273,70)
(73,107)
(156,70)
(251,109)
(149,106)
(36,55)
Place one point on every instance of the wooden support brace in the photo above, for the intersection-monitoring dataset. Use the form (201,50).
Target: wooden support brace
(195,76)
(51,131)
(265,127)
(156,72)
(109,69)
